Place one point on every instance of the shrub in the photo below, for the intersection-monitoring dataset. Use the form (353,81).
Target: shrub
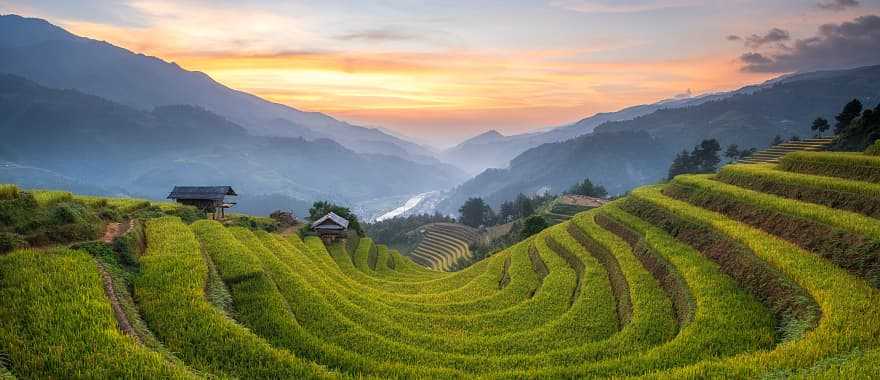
(873,150)
(50,197)
(10,241)
(9,192)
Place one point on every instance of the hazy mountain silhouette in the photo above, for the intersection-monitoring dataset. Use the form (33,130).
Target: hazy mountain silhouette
(88,139)
(621,155)
(499,150)
(49,55)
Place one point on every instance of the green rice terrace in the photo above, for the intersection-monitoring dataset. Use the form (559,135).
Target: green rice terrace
(442,245)
(759,271)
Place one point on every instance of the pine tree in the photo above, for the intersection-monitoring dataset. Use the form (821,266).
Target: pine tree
(681,165)
(850,111)
(820,125)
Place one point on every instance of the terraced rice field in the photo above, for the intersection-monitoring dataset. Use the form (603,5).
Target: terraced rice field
(761,271)
(774,153)
(443,244)
(567,206)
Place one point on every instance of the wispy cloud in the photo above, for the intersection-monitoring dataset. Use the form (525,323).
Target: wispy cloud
(837,5)
(378,35)
(773,36)
(622,6)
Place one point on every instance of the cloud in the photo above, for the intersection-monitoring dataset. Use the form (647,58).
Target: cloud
(621,6)
(375,35)
(837,5)
(755,59)
(772,36)
(849,44)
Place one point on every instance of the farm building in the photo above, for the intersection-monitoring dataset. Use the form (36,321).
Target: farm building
(330,227)
(209,199)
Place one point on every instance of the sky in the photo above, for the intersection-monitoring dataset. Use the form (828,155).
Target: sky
(442,71)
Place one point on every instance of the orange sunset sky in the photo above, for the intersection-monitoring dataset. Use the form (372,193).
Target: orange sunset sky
(445,70)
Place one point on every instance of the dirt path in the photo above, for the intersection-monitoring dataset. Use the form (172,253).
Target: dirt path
(121,319)
(112,231)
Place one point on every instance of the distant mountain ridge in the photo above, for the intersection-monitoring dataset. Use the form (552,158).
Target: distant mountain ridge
(66,138)
(499,150)
(51,56)
(621,155)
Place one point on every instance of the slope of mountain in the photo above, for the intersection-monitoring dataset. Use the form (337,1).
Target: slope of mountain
(749,118)
(100,142)
(498,151)
(53,57)
(761,271)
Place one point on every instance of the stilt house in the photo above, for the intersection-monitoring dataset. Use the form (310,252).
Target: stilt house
(208,199)
(331,227)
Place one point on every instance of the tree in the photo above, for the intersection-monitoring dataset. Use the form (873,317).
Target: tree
(860,133)
(850,111)
(523,206)
(321,208)
(533,225)
(681,164)
(732,152)
(475,212)
(777,140)
(702,159)
(507,212)
(820,125)
(705,156)
(587,188)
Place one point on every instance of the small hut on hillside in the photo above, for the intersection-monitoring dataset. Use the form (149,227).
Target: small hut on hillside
(330,227)
(208,199)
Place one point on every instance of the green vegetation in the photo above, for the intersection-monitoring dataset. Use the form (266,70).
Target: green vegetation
(873,150)
(54,300)
(170,294)
(854,166)
(856,129)
(759,271)
(533,225)
(475,213)
(587,188)
(702,159)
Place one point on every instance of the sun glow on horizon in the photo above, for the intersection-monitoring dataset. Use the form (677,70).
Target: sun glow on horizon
(441,74)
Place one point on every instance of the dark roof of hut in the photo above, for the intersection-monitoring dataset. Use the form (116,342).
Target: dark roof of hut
(336,219)
(217,193)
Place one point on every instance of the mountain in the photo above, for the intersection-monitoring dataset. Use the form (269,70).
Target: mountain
(109,145)
(49,55)
(499,150)
(621,155)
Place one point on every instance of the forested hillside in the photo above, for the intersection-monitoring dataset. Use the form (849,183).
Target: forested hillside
(641,149)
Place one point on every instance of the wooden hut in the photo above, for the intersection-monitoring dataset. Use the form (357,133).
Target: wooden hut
(208,199)
(331,227)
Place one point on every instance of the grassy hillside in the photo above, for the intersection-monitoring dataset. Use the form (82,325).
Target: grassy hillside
(760,271)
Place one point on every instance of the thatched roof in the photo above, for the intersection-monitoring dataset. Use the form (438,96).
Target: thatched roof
(214,193)
(331,218)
